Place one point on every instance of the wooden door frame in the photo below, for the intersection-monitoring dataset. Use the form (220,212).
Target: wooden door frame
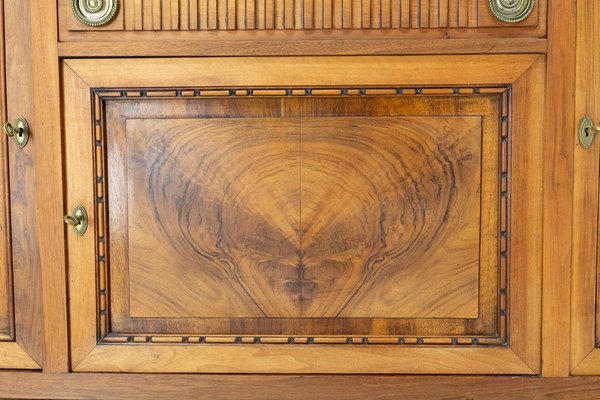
(49,205)
(585,351)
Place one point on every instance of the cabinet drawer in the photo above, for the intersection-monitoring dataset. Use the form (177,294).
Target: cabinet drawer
(333,214)
(211,19)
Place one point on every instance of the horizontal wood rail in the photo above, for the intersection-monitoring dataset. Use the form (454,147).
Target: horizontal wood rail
(215,387)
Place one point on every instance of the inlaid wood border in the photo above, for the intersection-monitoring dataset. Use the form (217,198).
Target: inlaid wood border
(104,333)
(524,73)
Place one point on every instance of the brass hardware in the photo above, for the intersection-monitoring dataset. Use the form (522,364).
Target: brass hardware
(94,12)
(19,131)
(78,220)
(511,11)
(587,132)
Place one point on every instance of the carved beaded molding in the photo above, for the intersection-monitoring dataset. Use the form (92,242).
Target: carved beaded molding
(104,334)
(511,11)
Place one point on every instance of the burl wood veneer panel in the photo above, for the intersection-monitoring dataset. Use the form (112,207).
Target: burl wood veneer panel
(304,217)
(284,213)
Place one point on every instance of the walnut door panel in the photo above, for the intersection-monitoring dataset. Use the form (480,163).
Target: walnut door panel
(370,225)
(277,201)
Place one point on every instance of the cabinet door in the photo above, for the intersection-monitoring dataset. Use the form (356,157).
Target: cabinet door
(585,352)
(20,280)
(305,215)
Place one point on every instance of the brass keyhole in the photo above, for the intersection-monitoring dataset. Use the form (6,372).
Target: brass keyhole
(587,132)
(78,219)
(19,131)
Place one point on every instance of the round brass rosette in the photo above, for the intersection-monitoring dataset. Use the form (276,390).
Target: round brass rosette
(95,12)
(511,11)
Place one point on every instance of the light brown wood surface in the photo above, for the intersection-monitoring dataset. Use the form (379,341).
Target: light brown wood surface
(191,352)
(327,46)
(585,355)
(246,387)
(558,188)
(48,205)
(302,71)
(6,308)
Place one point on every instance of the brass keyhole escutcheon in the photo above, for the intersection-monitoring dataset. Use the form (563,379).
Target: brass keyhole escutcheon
(587,132)
(19,131)
(78,220)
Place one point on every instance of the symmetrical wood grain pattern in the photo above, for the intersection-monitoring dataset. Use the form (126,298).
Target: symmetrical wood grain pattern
(585,351)
(130,343)
(299,230)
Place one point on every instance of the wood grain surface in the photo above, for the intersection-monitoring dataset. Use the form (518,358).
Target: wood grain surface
(559,188)
(306,218)
(585,351)
(19,166)
(6,309)
(249,387)
(327,46)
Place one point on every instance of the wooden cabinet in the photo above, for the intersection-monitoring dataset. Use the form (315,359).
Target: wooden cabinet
(288,198)
(313,214)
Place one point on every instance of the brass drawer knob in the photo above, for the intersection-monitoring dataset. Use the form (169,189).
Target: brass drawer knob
(78,219)
(95,12)
(587,132)
(511,11)
(19,131)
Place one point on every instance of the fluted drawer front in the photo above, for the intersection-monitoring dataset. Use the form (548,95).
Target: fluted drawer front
(242,15)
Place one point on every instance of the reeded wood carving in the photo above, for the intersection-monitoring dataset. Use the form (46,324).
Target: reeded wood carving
(364,215)
(297,14)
